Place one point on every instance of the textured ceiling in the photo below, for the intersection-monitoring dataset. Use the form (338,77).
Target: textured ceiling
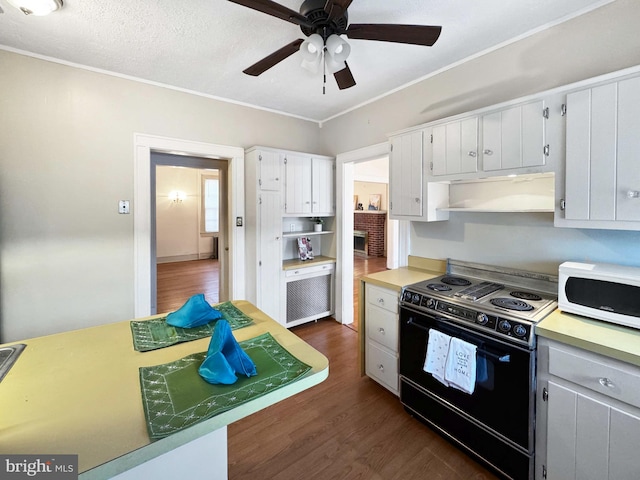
(203,45)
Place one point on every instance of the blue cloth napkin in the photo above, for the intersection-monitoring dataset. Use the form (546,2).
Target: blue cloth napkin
(225,358)
(194,313)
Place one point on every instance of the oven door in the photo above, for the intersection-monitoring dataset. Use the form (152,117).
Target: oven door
(503,401)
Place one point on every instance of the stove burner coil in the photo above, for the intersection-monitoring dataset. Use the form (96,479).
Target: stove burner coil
(438,287)
(526,296)
(511,304)
(456,281)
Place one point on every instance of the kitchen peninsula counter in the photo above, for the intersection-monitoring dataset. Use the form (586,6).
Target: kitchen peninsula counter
(79,393)
(418,269)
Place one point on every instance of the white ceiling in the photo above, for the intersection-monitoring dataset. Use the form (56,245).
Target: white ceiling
(203,45)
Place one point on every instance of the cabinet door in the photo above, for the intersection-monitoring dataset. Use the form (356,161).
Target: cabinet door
(514,137)
(322,186)
(455,147)
(269,261)
(298,184)
(578,436)
(628,148)
(623,445)
(270,171)
(406,175)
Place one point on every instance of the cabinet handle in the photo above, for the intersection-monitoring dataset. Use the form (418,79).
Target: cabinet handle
(472,154)
(277,238)
(605,382)
(381,367)
(381,330)
(487,151)
(563,204)
(417,199)
(633,194)
(381,301)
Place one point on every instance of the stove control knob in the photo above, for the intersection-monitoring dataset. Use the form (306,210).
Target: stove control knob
(520,330)
(504,326)
(431,303)
(406,297)
(482,319)
(415,299)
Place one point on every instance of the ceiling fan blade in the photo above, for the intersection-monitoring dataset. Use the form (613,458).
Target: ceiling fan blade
(275,10)
(335,8)
(344,78)
(412,34)
(276,57)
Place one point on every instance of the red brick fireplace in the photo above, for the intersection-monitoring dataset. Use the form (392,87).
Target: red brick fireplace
(373,222)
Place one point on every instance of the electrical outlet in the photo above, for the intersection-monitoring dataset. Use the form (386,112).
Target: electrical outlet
(123,206)
(292,227)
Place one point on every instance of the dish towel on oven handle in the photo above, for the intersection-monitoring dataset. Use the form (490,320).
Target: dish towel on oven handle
(436,358)
(460,369)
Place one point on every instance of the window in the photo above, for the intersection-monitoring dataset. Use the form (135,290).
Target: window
(210,204)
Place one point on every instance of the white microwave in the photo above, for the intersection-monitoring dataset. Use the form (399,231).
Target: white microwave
(601,291)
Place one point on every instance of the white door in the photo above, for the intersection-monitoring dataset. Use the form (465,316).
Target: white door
(270,177)
(406,175)
(270,252)
(298,184)
(322,186)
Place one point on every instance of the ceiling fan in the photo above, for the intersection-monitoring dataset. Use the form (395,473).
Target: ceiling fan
(323,21)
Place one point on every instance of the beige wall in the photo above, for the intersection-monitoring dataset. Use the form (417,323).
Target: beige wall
(66,158)
(364,189)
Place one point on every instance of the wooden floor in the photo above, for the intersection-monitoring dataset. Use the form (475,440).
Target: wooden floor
(348,427)
(180,280)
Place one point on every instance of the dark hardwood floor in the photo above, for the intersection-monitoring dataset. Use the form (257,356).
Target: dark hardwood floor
(180,280)
(348,427)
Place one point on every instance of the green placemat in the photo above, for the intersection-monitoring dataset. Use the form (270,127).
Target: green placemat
(175,396)
(156,333)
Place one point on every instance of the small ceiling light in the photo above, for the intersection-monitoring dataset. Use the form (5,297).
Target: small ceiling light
(37,7)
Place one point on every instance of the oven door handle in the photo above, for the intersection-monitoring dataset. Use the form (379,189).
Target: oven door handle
(505,358)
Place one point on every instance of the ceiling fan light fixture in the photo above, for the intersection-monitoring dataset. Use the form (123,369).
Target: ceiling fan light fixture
(37,7)
(311,50)
(337,48)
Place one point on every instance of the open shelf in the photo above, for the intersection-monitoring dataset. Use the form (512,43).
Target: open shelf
(305,234)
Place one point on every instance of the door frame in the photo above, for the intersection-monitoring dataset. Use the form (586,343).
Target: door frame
(344,217)
(143,146)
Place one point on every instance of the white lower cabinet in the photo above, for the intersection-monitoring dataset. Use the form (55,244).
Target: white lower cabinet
(381,331)
(307,294)
(588,415)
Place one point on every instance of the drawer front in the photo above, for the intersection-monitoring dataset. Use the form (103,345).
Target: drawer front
(382,327)
(297,272)
(609,377)
(382,366)
(383,298)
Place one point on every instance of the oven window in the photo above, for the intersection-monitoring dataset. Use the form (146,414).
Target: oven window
(503,395)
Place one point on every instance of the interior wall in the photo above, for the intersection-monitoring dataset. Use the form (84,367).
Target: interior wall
(599,42)
(178,235)
(66,159)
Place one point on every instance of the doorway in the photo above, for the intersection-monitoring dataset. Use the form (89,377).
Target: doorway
(397,238)
(144,145)
(189,223)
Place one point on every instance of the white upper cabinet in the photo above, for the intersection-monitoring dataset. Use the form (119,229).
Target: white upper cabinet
(309,185)
(270,171)
(411,197)
(514,138)
(406,175)
(602,182)
(455,147)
